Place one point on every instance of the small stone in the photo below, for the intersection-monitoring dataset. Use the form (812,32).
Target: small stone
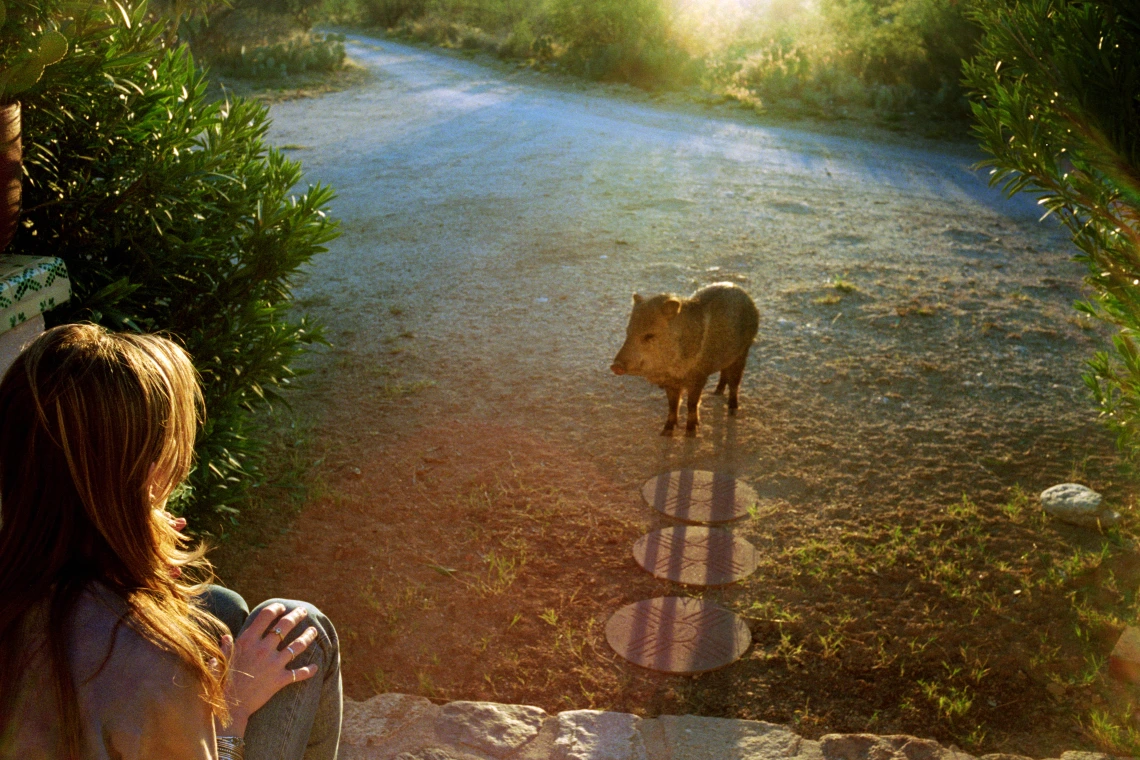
(428,753)
(1077,505)
(1077,755)
(356,472)
(372,722)
(1124,662)
(598,735)
(496,729)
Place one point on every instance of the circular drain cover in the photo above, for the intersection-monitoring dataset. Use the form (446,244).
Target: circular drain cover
(674,634)
(695,555)
(699,496)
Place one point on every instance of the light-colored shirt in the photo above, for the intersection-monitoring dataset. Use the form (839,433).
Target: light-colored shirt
(142,704)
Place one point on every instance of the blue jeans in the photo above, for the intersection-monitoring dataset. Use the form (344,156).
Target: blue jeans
(302,721)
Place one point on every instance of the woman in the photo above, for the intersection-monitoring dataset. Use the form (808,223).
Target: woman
(111,644)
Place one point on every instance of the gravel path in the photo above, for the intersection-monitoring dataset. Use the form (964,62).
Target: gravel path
(508,223)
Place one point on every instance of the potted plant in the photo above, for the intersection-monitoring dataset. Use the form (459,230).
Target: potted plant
(29,42)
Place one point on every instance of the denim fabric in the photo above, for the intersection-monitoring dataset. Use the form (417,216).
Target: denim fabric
(302,721)
(227,606)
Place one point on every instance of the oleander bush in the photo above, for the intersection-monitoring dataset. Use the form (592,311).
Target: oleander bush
(1057,105)
(172,215)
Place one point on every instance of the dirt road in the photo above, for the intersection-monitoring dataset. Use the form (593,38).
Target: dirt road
(917,343)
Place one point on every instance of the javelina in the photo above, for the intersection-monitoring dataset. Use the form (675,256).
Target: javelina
(676,343)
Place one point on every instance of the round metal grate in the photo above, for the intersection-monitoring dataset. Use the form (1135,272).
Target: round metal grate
(699,496)
(673,634)
(695,555)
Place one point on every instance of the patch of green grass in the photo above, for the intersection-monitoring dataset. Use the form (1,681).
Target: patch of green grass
(1113,732)
(843,286)
(394,390)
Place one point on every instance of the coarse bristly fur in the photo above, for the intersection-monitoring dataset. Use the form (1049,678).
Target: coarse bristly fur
(676,343)
(96,431)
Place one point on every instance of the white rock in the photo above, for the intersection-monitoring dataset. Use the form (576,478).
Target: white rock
(496,729)
(598,735)
(1078,505)
(692,738)
(372,722)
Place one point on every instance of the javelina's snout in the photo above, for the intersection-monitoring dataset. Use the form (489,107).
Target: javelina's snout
(618,368)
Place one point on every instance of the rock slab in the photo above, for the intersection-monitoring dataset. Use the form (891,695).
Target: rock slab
(872,747)
(498,730)
(379,719)
(401,727)
(1124,662)
(598,735)
(689,737)
(1077,504)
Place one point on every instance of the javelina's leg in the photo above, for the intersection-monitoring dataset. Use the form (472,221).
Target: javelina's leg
(674,396)
(694,417)
(735,374)
(721,383)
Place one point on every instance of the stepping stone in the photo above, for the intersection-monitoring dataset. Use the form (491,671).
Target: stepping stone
(699,496)
(673,634)
(695,555)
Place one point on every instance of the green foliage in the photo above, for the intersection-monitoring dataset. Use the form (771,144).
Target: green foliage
(626,40)
(311,52)
(919,43)
(1057,104)
(172,216)
(387,13)
(893,56)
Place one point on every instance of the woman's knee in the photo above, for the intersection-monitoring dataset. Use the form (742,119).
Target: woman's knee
(326,642)
(226,605)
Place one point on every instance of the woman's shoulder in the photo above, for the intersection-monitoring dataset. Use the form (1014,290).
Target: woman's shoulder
(107,646)
(133,695)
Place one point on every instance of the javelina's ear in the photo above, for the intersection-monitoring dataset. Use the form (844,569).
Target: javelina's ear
(671,307)
(637,298)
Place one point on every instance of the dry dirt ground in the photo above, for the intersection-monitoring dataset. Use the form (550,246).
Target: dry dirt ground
(478,466)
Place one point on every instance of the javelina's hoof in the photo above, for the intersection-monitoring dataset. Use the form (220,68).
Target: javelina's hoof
(690,432)
(732,411)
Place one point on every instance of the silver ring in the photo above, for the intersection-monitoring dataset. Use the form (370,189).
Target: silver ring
(289,649)
(294,675)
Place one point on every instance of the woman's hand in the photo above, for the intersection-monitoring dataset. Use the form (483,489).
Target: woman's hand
(177,523)
(258,667)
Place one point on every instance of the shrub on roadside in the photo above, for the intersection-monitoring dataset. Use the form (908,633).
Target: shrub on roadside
(172,216)
(310,52)
(386,14)
(1057,104)
(623,40)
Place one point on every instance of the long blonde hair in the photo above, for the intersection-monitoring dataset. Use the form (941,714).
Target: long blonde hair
(96,431)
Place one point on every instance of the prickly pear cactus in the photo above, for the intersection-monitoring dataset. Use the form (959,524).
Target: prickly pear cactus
(25,50)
